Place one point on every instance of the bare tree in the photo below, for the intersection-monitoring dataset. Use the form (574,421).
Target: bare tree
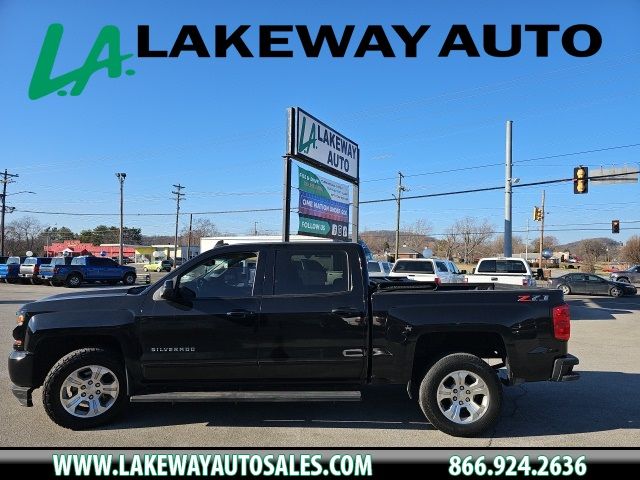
(496,247)
(470,235)
(549,241)
(590,251)
(631,250)
(202,227)
(416,235)
(23,235)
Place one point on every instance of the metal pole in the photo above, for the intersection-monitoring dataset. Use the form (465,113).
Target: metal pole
(178,195)
(121,177)
(4,207)
(526,245)
(189,241)
(398,199)
(356,213)
(541,233)
(286,198)
(508,181)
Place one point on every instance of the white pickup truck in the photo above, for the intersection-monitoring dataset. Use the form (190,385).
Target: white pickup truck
(427,270)
(509,271)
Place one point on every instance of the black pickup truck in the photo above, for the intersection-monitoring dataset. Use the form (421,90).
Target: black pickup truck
(287,322)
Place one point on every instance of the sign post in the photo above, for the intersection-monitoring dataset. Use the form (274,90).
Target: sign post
(324,204)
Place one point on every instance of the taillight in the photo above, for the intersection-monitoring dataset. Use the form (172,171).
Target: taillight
(525,281)
(438,281)
(56,270)
(36,269)
(561,322)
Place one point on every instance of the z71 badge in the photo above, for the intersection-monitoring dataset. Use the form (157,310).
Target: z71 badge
(533,298)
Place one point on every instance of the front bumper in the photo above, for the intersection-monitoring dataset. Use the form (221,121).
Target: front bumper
(563,369)
(23,394)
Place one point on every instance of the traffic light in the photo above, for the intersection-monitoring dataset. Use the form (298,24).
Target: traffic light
(580,179)
(537,214)
(615,226)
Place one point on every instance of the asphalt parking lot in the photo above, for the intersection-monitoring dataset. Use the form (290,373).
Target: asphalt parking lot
(601,409)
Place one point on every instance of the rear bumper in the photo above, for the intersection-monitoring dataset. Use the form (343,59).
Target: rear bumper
(563,369)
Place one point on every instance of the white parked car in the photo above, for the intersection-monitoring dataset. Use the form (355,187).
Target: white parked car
(427,270)
(508,271)
(378,269)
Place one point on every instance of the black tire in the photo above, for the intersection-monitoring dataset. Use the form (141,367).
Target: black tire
(566,290)
(428,395)
(56,283)
(36,281)
(615,292)
(73,280)
(12,280)
(129,278)
(51,390)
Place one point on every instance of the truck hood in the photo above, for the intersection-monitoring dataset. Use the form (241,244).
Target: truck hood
(98,299)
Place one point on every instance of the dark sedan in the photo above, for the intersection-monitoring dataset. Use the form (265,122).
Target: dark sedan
(591,285)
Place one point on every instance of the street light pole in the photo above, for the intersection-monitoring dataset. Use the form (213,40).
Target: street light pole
(508,193)
(121,176)
(6,178)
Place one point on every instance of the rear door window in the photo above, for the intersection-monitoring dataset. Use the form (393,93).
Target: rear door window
(442,267)
(79,261)
(373,266)
(311,272)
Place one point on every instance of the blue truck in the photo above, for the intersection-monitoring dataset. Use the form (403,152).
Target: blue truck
(91,269)
(10,270)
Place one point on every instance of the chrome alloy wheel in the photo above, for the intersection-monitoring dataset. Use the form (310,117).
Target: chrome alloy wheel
(463,397)
(89,391)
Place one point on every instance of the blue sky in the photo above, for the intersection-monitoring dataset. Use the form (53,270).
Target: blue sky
(217,126)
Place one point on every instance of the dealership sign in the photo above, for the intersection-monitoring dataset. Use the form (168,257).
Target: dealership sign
(319,145)
(323,206)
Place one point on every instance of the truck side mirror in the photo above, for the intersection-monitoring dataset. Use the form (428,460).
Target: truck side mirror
(168,292)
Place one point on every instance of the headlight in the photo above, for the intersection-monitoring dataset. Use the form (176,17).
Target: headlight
(21,318)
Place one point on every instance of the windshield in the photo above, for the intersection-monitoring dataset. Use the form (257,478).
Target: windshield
(413,266)
(13,261)
(453,267)
(373,266)
(30,261)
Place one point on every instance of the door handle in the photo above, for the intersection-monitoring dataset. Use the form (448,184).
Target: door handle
(494,279)
(345,311)
(240,314)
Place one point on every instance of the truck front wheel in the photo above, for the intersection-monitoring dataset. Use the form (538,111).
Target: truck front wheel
(461,395)
(86,388)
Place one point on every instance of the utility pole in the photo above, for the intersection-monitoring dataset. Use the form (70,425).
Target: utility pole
(255,229)
(526,244)
(541,232)
(121,176)
(6,178)
(398,199)
(508,182)
(178,193)
(189,241)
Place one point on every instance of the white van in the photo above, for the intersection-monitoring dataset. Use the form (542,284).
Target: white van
(427,270)
(508,271)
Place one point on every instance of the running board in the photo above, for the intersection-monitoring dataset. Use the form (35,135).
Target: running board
(291,396)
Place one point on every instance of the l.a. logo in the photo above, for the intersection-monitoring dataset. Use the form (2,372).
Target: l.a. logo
(42,83)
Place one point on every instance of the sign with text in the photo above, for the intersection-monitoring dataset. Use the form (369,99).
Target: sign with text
(323,206)
(317,144)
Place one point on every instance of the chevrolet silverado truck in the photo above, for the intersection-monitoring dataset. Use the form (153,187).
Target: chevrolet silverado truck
(30,269)
(92,269)
(287,322)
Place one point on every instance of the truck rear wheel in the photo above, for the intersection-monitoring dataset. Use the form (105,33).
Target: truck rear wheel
(86,388)
(73,280)
(461,395)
